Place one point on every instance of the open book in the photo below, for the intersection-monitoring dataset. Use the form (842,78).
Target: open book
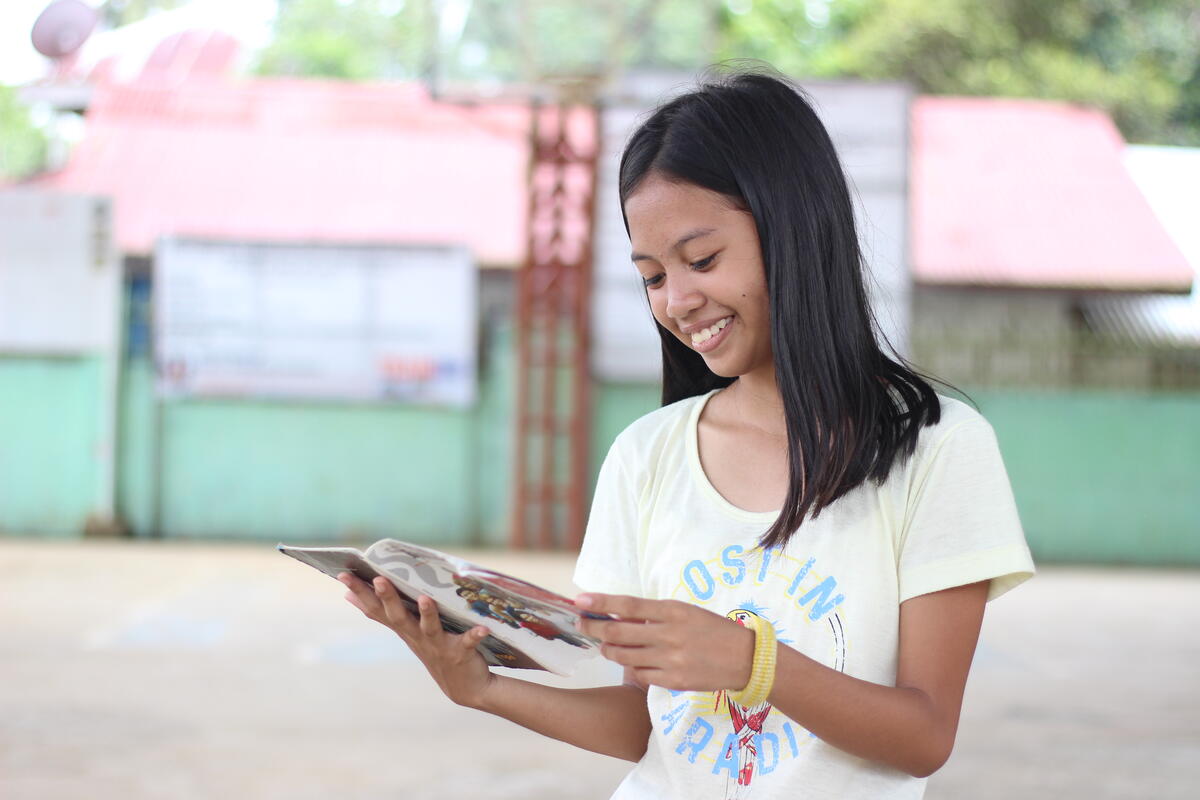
(531,628)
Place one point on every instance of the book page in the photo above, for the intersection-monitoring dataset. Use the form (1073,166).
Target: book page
(527,617)
(335,560)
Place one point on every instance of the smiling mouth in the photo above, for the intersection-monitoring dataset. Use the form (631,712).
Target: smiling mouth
(710,337)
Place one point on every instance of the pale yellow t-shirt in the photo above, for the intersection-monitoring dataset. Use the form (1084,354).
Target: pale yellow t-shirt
(658,529)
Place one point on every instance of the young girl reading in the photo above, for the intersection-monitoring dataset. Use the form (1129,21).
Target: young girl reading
(797,548)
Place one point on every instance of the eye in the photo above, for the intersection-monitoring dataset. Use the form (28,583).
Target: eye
(703,263)
(652,280)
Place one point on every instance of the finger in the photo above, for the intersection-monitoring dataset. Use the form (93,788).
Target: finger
(635,657)
(621,632)
(623,606)
(431,625)
(630,633)
(650,676)
(471,639)
(367,602)
(392,606)
(353,582)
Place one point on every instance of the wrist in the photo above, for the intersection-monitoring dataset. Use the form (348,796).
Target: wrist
(485,698)
(743,661)
(762,671)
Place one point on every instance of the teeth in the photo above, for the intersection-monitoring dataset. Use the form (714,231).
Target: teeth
(703,336)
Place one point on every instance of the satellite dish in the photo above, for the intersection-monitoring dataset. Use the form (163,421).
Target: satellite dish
(63,27)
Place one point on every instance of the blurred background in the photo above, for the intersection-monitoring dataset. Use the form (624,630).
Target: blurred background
(327,271)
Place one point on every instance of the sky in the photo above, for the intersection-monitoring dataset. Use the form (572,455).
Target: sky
(20,63)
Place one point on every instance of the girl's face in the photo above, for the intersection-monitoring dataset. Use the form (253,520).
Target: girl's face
(701,262)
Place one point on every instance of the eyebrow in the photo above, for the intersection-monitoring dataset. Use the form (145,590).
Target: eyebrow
(687,237)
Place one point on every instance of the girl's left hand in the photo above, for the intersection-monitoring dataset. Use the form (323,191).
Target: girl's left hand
(670,643)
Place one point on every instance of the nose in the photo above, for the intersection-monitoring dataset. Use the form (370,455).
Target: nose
(682,297)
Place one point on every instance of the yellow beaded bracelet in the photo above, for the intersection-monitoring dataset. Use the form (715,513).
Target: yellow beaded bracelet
(762,672)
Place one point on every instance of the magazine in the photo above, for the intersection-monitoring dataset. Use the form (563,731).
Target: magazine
(531,627)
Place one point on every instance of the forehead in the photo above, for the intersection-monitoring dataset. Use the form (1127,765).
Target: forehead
(658,209)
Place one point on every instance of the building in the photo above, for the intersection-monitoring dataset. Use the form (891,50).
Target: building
(1017,266)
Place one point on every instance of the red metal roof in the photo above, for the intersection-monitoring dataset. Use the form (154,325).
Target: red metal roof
(303,160)
(1003,192)
(1030,193)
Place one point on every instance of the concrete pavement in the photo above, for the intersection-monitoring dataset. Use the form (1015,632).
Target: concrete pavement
(190,671)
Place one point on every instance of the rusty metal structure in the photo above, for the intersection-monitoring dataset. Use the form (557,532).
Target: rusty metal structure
(553,397)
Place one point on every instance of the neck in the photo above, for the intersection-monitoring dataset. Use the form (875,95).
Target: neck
(757,401)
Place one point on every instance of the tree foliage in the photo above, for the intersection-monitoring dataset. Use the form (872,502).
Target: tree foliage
(116,13)
(1136,59)
(364,39)
(22,144)
(486,40)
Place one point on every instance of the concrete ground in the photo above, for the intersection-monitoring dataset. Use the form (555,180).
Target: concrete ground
(176,670)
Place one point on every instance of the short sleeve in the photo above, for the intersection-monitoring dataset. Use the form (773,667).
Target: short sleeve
(608,560)
(961,522)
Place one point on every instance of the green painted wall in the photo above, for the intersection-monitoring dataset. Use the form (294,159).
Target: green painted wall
(49,435)
(302,472)
(308,472)
(316,472)
(327,472)
(1101,476)
(493,439)
(615,406)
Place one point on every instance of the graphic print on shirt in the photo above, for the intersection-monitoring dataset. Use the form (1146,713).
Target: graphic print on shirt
(747,720)
(717,737)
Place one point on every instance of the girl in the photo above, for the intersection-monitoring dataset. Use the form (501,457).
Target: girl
(798,546)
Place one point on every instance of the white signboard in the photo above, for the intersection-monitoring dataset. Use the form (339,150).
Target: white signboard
(60,277)
(869,126)
(314,321)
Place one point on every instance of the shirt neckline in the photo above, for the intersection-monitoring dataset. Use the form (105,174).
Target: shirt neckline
(702,482)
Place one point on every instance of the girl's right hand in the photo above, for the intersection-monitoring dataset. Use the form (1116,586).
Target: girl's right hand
(451,659)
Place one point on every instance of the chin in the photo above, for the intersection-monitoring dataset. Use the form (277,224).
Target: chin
(723,370)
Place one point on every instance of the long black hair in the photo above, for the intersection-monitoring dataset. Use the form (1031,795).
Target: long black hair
(850,409)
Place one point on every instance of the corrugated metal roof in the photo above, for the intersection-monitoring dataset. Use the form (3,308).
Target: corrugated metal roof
(1149,320)
(303,160)
(1033,194)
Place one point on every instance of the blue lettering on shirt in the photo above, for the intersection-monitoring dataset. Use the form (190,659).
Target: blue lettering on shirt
(791,737)
(727,759)
(767,555)
(760,741)
(690,573)
(689,741)
(823,605)
(673,716)
(791,590)
(728,560)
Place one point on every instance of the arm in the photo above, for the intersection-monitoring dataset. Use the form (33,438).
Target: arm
(910,726)
(618,723)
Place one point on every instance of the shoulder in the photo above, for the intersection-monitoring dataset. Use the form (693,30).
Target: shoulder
(959,429)
(957,421)
(962,442)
